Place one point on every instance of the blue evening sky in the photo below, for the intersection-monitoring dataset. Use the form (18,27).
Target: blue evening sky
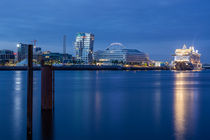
(156,27)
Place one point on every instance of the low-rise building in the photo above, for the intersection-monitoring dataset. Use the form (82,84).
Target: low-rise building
(57,58)
(6,56)
(159,63)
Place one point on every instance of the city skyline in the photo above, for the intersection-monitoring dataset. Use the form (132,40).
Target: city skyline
(72,50)
(155,27)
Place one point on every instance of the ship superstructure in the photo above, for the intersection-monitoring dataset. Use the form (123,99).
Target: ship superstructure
(187,59)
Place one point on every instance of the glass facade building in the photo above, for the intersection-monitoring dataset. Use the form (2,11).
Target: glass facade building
(37,54)
(6,56)
(55,57)
(22,51)
(84,47)
(128,56)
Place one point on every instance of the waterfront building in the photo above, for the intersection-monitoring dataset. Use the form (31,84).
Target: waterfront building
(37,50)
(22,51)
(84,47)
(159,63)
(97,55)
(37,54)
(116,53)
(51,57)
(6,56)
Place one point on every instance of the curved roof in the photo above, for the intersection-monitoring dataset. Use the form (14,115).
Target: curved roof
(114,46)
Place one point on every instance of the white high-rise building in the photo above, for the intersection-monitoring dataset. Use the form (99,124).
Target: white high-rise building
(84,47)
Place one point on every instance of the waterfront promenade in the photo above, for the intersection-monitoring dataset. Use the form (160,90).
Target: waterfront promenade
(87,67)
(82,67)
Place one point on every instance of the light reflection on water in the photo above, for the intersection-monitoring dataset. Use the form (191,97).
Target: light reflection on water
(97,101)
(184,107)
(93,104)
(18,81)
(18,101)
(157,98)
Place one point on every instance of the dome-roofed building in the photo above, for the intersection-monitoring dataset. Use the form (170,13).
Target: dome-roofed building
(116,53)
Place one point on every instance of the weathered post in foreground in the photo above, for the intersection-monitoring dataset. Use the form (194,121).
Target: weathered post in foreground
(30,92)
(47,101)
(53,80)
(47,88)
(47,126)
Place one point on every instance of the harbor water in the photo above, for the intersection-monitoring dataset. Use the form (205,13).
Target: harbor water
(106,105)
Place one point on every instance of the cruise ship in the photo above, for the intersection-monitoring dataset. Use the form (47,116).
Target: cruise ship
(187,59)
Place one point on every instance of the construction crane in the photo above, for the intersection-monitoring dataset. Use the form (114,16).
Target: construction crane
(34,43)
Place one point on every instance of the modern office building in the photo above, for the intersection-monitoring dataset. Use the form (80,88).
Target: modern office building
(56,58)
(6,56)
(37,49)
(84,47)
(22,51)
(118,54)
(37,54)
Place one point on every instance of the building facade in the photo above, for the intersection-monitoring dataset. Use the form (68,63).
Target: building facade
(84,47)
(37,55)
(22,51)
(6,56)
(56,58)
(124,56)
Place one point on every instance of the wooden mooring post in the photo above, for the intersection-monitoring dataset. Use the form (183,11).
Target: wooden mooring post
(47,125)
(47,101)
(47,94)
(30,93)
(47,88)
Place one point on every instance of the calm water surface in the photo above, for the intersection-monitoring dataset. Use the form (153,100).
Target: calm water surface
(104,105)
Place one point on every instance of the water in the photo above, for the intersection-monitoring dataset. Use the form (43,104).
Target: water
(102,105)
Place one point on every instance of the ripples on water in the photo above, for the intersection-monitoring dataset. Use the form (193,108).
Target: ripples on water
(110,105)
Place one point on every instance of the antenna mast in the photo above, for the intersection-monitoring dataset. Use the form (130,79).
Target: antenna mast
(64,48)
(64,44)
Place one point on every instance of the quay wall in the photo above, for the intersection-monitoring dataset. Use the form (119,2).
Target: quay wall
(82,67)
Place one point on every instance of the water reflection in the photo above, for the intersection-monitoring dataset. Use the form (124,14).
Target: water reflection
(157,97)
(157,105)
(184,106)
(17,101)
(18,80)
(97,101)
